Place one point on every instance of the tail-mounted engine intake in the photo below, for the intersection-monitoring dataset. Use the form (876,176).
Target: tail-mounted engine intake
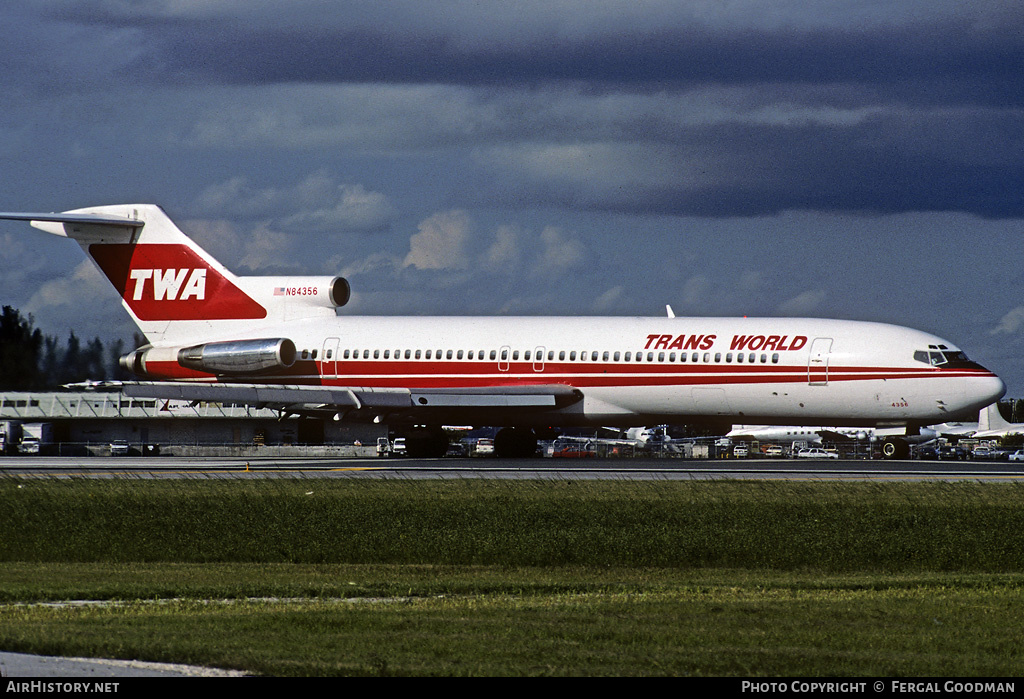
(234,358)
(324,292)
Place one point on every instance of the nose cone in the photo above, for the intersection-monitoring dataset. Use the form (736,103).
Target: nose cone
(983,391)
(998,388)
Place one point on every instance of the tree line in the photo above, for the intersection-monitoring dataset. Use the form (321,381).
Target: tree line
(32,361)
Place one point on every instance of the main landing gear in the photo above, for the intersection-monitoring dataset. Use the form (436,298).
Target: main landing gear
(426,442)
(895,448)
(515,443)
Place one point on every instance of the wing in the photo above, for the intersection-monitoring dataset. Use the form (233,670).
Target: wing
(833,436)
(478,405)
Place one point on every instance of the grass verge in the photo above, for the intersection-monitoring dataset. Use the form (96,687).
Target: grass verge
(324,577)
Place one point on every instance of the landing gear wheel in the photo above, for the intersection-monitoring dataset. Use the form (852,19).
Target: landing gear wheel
(515,443)
(895,449)
(426,443)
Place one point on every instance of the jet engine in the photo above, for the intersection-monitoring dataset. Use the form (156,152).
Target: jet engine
(317,292)
(239,356)
(232,358)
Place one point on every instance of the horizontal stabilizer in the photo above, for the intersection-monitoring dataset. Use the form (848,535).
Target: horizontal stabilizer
(91,219)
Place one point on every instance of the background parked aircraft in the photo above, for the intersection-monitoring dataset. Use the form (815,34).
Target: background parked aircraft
(992,424)
(893,439)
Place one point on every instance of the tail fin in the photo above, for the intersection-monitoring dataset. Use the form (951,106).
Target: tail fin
(991,419)
(173,289)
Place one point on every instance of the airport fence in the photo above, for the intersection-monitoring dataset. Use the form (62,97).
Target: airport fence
(560,451)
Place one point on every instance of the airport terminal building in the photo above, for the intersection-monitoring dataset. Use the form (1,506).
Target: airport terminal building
(87,422)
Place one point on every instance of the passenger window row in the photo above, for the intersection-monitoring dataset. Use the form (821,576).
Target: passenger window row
(562,356)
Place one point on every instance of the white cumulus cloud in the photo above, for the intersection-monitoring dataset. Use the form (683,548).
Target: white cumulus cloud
(441,242)
(317,203)
(1010,323)
(802,304)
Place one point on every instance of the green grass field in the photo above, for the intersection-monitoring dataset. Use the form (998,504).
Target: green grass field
(481,577)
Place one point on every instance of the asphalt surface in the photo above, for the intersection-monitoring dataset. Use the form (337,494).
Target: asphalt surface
(16,665)
(171,467)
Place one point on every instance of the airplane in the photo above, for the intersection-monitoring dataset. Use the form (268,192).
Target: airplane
(92,385)
(991,424)
(778,433)
(891,437)
(955,430)
(279,342)
(644,436)
(640,437)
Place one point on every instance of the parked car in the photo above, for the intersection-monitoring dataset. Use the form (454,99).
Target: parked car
(119,447)
(565,449)
(457,449)
(774,452)
(484,447)
(816,453)
(740,451)
(929,453)
(1017,455)
(951,453)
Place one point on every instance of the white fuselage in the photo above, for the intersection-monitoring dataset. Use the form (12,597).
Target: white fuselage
(650,370)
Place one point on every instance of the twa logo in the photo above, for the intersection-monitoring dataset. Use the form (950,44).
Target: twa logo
(171,281)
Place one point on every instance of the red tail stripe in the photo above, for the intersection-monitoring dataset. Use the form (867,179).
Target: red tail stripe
(172,282)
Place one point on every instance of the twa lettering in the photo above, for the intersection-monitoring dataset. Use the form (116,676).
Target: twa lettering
(169,284)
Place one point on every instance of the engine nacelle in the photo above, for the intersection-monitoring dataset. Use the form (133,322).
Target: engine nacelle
(239,356)
(340,291)
(233,358)
(322,292)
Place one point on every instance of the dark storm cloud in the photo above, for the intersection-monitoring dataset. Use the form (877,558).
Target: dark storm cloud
(930,62)
(939,89)
(872,167)
(748,163)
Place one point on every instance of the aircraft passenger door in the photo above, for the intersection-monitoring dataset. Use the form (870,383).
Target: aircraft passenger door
(538,360)
(503,355)
(817,362)
(329,362)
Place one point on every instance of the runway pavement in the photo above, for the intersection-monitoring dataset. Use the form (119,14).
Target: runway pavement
(171,467)
(44,667)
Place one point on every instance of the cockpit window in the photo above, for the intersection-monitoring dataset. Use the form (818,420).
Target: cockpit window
(942,357)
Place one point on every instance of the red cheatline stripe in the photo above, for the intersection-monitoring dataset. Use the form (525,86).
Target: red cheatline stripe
(466,374)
